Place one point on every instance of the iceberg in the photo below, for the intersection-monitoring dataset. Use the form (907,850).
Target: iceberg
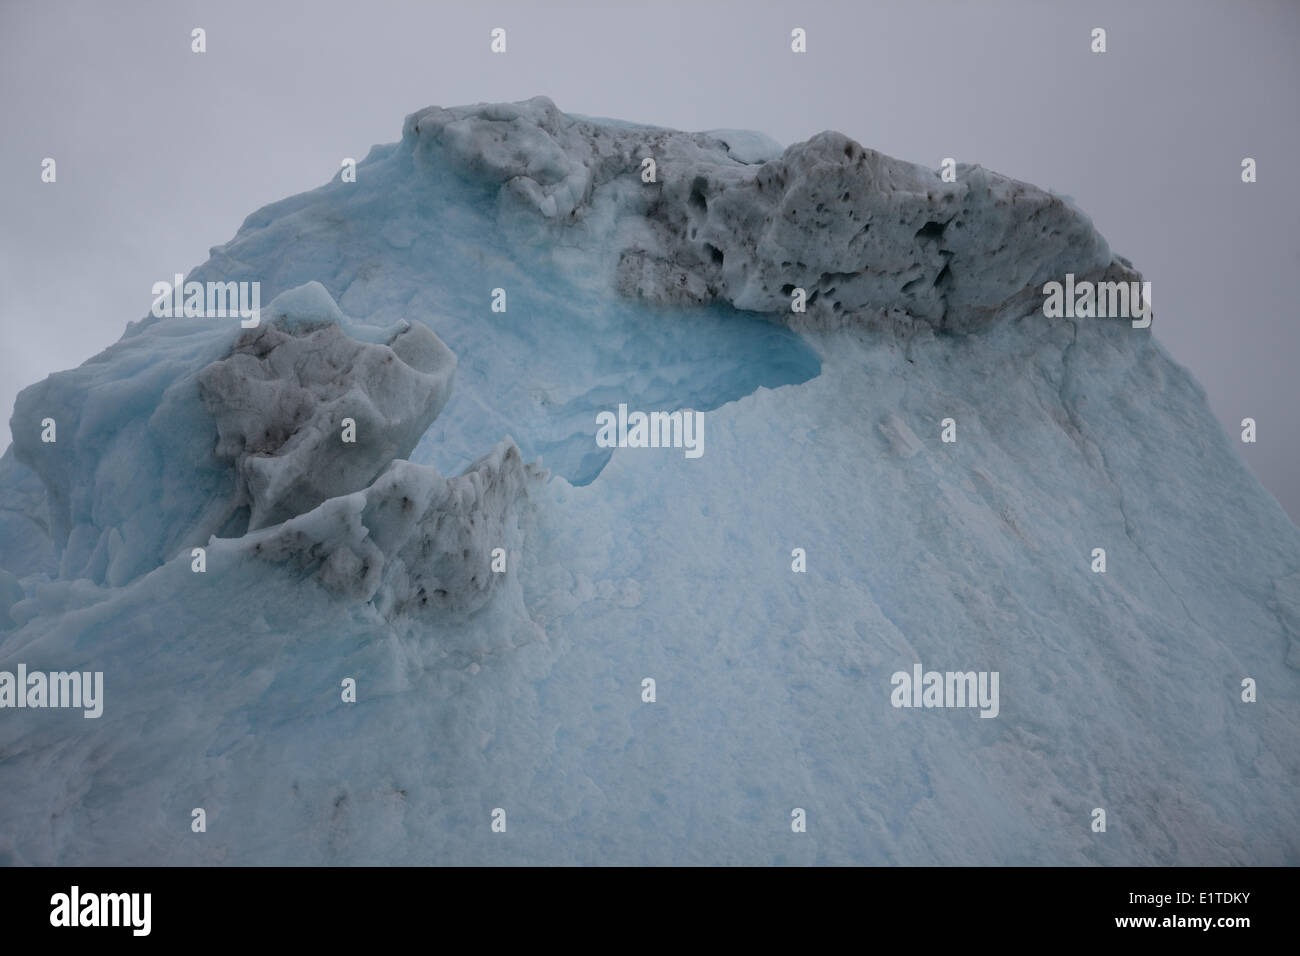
(358,651)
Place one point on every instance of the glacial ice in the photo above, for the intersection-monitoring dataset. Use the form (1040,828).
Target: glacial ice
(280,398)
(522,689)
(193,428)
(413,543)
(715,226)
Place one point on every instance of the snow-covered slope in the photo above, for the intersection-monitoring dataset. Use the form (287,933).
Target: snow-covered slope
(522,689)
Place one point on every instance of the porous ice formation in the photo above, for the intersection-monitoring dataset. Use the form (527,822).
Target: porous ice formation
(860,232)
(283,394)
(188,429)
(413,542)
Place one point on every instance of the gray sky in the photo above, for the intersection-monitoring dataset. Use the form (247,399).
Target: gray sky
(162,153)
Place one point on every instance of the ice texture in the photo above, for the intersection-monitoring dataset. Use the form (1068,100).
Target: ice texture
(25,544)
(521,689)
(857,230)
(413,542)
(282,397)
(196,427)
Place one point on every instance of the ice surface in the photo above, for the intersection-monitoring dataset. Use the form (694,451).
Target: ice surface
(747,145)
(413,543)
(25,545)
(283,396)
(196,427)
(522,689)
(857,230)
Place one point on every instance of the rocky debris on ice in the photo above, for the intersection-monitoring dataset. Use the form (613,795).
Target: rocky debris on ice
(281,398)
(413,542)
(864,235)
(192,428)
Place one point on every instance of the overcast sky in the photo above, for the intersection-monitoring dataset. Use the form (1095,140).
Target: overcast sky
(161,153)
